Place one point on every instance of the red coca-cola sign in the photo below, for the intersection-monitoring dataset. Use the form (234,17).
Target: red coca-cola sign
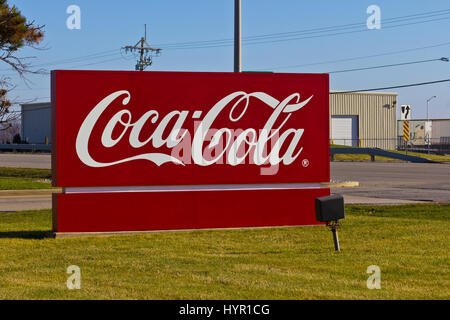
(150,132)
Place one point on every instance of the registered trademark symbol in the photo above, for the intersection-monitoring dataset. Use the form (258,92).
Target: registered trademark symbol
(305,162)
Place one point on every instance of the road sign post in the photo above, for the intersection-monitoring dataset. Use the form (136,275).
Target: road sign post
(405,115)
(406,134)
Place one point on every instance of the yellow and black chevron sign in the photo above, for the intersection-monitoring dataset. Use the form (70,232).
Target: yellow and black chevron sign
(406,131)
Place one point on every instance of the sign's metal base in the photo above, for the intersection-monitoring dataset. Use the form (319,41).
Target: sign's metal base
(65,235)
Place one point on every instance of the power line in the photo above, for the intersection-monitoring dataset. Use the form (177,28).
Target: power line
(355,58)
(27,89)
(96,63)
(266,38)
(303,38)
(333,29)
(445,59)
(394,87)
(331,72)
(228,42)
(307,31)
(84,65)
(363,90)
(34,109)
(363,24)
(307,64)
(81,58)
(101,54)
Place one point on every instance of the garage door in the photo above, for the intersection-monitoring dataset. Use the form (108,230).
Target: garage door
(344,130)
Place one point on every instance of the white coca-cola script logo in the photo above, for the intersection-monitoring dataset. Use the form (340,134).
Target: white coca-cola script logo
(249,139)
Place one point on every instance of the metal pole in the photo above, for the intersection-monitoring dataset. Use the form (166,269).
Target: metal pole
(141,61)
(237,36)
(336,239)
(428,120)
(427,125)
(406,147)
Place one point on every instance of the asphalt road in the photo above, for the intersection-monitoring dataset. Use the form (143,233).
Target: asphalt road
(20,160)
(394,180)
(380,182)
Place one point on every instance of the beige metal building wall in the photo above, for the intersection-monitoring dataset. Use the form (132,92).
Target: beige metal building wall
(376,112)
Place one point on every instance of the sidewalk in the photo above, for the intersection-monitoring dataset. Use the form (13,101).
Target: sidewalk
(351,199)
(19,200)
(28,192)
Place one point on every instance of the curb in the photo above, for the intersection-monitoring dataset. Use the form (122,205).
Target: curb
(344,184)
(49,192)
(29,192)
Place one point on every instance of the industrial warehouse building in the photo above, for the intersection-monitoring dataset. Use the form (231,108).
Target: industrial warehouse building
(363,119)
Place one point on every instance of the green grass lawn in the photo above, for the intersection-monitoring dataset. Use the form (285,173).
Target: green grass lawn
(409,243)
(361,157)
(23,184)
(24,178)
(26,173)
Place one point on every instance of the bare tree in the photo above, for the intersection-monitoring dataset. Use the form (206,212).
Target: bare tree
(12,133)
(15,33)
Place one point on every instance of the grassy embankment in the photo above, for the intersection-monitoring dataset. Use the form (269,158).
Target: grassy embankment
(364,157)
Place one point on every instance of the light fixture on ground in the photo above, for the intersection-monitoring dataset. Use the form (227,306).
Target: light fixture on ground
(330,210)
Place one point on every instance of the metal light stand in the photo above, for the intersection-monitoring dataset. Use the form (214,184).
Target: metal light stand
(334,225)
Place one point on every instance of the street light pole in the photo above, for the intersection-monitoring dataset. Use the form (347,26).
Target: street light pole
(237,36)
(428,125)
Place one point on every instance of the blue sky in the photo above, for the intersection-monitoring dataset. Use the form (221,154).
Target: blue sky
(106,26)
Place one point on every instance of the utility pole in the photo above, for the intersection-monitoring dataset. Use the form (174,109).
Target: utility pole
(428,126)
(145,52)
(237,36)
